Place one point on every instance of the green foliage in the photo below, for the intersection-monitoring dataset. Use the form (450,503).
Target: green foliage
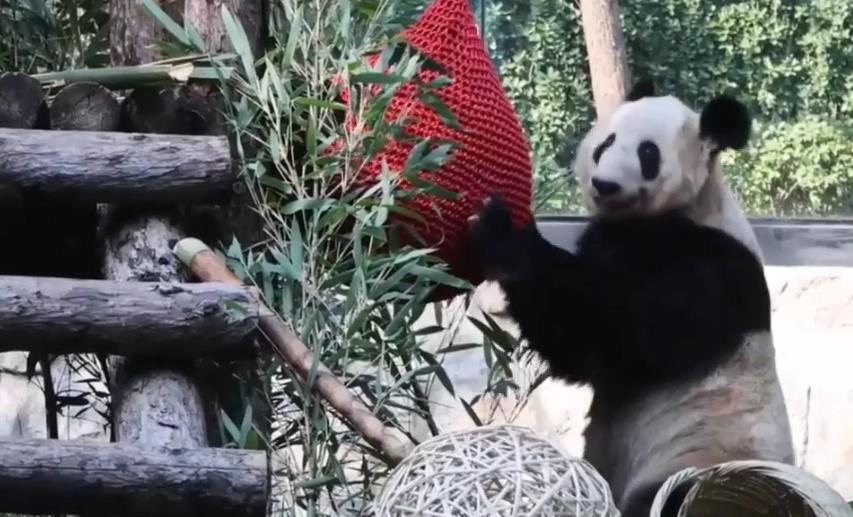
(801,168)
(538,47)
(46,35)
(332,265)
(789,59)
(786,57)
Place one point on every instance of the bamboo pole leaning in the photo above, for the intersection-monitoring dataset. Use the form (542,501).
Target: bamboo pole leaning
(205,265)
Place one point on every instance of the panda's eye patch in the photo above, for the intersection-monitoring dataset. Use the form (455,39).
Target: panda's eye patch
(596,154)
(649,155)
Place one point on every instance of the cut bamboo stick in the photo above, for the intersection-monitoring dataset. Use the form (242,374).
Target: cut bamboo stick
(204,264)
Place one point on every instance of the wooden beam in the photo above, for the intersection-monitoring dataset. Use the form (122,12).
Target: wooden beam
(111,167)
(56,476)
(145,319)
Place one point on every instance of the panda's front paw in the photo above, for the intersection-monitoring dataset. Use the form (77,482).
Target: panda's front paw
(495,238)
(493,222)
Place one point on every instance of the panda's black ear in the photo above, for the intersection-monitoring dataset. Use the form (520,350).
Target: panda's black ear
(727,122)
(643,88)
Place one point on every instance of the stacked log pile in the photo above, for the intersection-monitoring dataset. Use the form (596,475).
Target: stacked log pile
(96,185)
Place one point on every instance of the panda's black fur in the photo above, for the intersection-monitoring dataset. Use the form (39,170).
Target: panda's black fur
(643,303)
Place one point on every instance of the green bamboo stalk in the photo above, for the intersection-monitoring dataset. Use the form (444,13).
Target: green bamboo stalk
(122,77)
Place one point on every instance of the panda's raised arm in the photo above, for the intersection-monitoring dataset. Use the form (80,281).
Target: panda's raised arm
(541,285)
(641,300)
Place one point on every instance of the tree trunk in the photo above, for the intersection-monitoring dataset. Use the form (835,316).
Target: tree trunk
(155,403)
(207,17)
(605,47)
(138,247)
(132,31)
(53,476)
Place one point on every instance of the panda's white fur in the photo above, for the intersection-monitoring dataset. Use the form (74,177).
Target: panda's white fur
(690,178)
(736,413)
(734,408)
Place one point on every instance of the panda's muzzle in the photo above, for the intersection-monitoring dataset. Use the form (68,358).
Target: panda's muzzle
(605,188)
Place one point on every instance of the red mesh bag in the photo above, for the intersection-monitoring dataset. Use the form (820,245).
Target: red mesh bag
(493,155)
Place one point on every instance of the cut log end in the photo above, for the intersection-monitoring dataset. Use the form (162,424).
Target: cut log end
(85,106)
(187,249)
(172,110)
(21,100)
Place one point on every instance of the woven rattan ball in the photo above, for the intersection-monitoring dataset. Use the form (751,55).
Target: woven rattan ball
(503,470)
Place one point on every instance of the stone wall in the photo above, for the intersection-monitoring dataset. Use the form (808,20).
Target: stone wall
(813,326)
(22,413)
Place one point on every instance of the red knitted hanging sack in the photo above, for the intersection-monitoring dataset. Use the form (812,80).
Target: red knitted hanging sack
(493,154)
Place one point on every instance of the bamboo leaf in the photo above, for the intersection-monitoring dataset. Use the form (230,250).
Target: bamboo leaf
(471,413)
(441,277)
(166,22)
(376,78)
(307,102)
(293,36)
(229,425)
(240,42)
(301,205)
(439,372)
(441,109)
(245,426)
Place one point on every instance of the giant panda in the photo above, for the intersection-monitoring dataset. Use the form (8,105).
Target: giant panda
(663,159)
(667,319)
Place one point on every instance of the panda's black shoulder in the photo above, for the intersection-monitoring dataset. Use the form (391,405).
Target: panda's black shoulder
(661,237)
(718,281)
(650,246)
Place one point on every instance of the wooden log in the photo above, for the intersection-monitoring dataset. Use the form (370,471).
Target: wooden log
(85,106)
(137,249)
(146,319)
(54,476)
(158,110)
(118,167)
(155,402)
(21,99)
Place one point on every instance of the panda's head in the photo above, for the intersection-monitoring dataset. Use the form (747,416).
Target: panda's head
(654,153)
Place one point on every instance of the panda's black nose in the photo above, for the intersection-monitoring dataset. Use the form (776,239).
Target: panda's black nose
(606,188)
